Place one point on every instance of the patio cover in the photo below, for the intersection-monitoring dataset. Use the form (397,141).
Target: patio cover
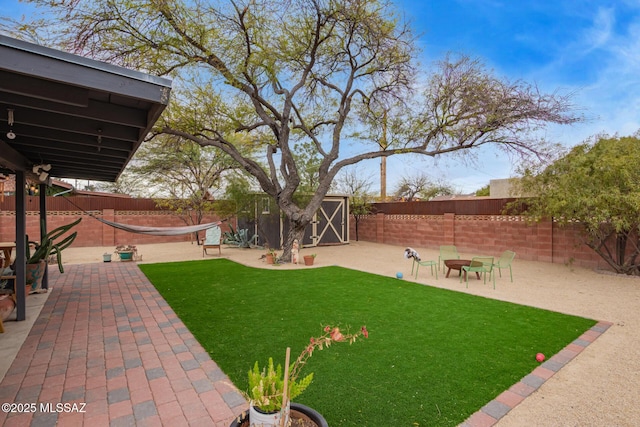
(86,118)
(83,117)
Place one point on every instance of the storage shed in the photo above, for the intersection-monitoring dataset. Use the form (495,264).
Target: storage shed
(330,224)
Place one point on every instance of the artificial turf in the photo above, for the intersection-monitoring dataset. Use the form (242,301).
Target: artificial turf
(433,357)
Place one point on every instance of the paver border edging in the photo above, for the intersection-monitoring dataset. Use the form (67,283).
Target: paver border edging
(491,413)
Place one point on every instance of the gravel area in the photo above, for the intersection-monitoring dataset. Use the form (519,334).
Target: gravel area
(600,387)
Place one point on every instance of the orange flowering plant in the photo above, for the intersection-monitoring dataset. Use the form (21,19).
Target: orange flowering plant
(266,386)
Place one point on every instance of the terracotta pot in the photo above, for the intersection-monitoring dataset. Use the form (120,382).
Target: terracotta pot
(34,274)
(308,259)
(270,258)
(7,305)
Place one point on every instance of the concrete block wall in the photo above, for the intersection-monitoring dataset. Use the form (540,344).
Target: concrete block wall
(545,241)
(92,232)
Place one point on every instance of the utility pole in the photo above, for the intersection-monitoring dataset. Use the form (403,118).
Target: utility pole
(383,159)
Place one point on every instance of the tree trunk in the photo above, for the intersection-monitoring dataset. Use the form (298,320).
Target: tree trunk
(296,231)
(613,249)
(621,246)
(383,179)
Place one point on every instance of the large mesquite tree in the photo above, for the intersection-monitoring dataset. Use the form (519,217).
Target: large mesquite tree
(312,72)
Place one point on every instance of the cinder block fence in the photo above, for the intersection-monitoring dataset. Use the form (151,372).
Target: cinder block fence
(92,232)
(490,235)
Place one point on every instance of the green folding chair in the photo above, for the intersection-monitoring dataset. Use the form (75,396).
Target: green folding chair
(479,264)
(447,252)
(504,262)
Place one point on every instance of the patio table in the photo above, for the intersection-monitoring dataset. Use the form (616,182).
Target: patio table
(7,249)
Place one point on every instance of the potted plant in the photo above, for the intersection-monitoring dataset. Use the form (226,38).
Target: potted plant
(270,257)
(46,248)
(28,287)
(270,390)
(126,252)
(308,259)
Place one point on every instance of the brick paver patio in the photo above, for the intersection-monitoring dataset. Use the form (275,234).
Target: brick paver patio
(107,339)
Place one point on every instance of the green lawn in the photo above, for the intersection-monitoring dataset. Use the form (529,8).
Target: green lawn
(433,356)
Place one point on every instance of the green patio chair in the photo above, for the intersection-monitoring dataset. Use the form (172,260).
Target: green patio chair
(417,262)
(424,264)
(505,262)
(447,252)
(479,264)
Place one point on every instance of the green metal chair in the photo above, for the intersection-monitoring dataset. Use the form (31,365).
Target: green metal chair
(504,262)
(417,262)
(479,264)
(424,264)
(447,252)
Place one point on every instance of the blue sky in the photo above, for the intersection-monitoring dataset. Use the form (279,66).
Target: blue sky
(587,46)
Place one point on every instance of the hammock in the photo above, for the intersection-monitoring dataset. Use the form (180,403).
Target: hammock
(159,231)
(153,231)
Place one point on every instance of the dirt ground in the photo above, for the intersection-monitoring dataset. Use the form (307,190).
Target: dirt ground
(600,387)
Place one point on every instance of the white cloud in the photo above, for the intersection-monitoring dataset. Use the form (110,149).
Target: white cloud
(615,92)
(601,32)
(608,55)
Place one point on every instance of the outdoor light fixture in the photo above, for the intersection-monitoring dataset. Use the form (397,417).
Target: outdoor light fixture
(31,189)
(10,134)
(99,139)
